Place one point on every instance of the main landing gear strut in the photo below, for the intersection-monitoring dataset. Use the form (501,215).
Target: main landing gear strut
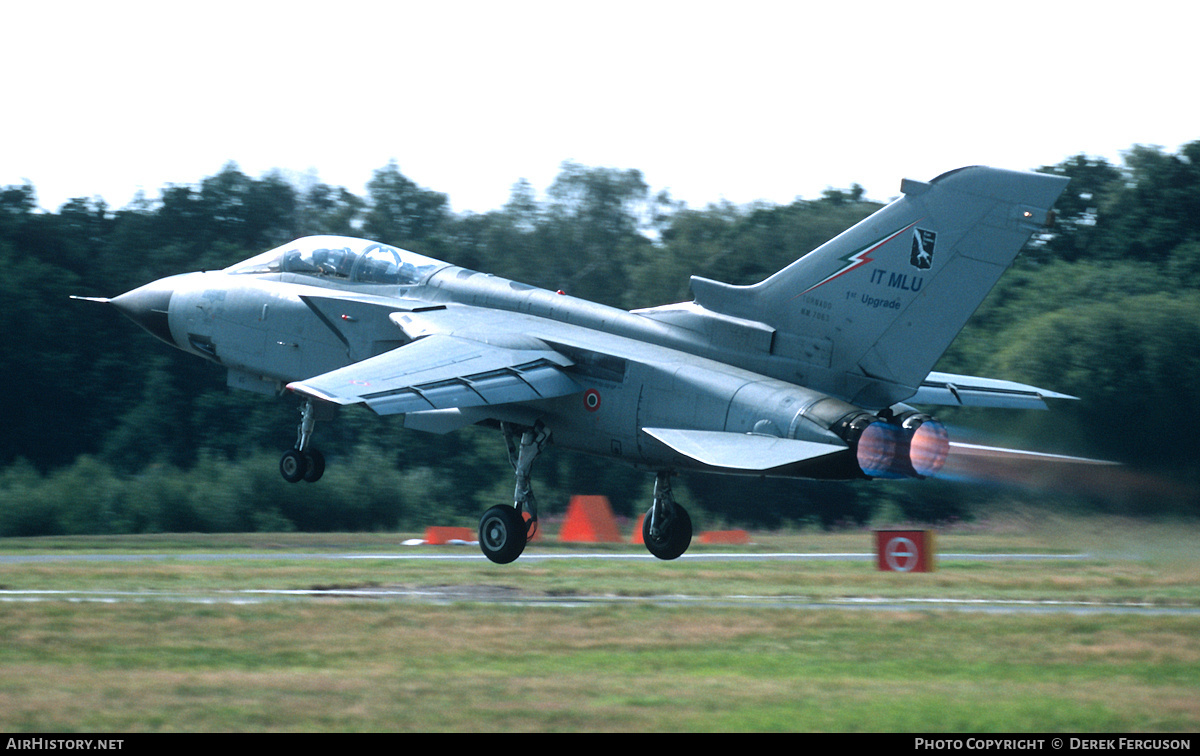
(303,462)
(504,530)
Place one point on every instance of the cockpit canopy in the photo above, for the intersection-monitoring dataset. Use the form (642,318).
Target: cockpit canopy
(346,258)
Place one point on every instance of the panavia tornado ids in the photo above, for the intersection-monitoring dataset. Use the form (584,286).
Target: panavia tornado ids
(811,373)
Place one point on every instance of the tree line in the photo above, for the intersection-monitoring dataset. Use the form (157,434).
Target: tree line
(109,431)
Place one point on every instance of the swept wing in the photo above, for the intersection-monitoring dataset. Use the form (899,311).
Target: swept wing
(441,371)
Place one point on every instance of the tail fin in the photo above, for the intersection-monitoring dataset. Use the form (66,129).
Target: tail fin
(873,309)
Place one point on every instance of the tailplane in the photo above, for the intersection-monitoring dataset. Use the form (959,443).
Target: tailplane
(871,311)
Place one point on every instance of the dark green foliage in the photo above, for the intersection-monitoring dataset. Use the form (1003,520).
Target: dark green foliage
(107,430)
(1134,361)
(399,211)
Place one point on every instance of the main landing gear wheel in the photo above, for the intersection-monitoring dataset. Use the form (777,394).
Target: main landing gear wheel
(296,465)
(667,527)
(504,530)
(672,538)
(503,533)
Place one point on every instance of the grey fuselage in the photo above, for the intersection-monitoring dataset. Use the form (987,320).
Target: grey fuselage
(634,371)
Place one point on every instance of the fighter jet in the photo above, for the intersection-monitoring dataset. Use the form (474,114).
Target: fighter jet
(815,372)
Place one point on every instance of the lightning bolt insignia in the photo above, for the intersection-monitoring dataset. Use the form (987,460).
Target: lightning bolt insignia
(857,258)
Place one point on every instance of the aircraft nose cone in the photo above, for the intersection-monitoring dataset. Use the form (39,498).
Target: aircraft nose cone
(148,306)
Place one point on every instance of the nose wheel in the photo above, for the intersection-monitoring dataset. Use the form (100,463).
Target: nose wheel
(296,465)
(302,462)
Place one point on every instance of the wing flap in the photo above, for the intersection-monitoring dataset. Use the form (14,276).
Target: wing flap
(952,390)
(443,372)
(740,451)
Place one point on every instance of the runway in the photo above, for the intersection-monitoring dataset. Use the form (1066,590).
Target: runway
(493,595)
(475,556)
(500,595)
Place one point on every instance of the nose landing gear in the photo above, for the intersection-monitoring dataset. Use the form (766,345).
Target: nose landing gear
(296,465)
(303,462)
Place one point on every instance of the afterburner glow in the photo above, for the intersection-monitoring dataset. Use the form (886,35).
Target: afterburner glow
(877,450)
(928,448)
